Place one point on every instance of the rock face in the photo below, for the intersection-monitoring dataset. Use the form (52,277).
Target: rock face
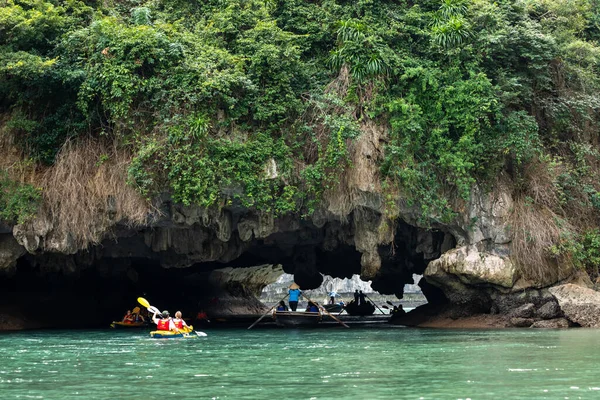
(472,267)
(10,251)
(467,275)
(466,262)
(579,304)
(551,323)
(237,289)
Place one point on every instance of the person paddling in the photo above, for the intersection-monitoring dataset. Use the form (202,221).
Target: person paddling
(165,323)
(179,322)
(294,293)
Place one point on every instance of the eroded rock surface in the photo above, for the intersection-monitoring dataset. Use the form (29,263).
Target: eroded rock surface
(465,262)
(472,267)
(10,251)
(579,304)
(555,323)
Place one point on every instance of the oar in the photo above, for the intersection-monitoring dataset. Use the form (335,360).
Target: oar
(265,314)
(148,307)
(326,312)
(390,303)
(380,310)
(190,329)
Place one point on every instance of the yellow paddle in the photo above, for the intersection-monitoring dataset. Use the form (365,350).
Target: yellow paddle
(143,302)
(146,304)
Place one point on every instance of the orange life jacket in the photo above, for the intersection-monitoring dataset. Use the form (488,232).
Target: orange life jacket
(162,325)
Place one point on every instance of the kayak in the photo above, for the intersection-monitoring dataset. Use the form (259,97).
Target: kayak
(119,324)
(170,335)
(176,335)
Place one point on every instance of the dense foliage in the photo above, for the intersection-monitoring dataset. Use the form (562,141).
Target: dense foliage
(257,101)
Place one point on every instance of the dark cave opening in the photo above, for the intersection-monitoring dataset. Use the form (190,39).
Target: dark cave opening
(89,290)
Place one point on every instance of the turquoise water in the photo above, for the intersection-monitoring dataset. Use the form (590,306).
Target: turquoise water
(328,363)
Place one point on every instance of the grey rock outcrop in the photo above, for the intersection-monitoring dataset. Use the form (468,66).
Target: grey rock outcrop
(473,267)
(237,289)
(519,322)
(551,323)
(469,276)
(10,251)
(524,311)
(579,304)
(549,310)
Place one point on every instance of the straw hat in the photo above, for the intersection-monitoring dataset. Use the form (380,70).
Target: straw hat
(136,310)
(294,286)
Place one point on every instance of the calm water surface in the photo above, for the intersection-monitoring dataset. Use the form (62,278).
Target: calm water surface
(328,363)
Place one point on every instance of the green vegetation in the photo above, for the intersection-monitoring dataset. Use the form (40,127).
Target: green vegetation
(258,102)
(18,202)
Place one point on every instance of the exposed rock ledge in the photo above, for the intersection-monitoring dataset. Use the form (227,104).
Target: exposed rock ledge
(579,304)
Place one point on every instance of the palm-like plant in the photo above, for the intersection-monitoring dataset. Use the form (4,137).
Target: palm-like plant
(449,28)
(361,52)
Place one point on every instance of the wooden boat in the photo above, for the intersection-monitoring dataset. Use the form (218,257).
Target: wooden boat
(364,309)
(296,318)
(128,325)
(333,308)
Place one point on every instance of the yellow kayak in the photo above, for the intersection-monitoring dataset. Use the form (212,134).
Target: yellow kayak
(188,333)
(170,335)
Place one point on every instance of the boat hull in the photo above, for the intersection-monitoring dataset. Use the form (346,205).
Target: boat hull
(296,318)
(333,308)
(171,335)
(125,325)
(363,309)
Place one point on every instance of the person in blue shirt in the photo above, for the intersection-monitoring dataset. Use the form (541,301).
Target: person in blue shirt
(312,307)
(294,294)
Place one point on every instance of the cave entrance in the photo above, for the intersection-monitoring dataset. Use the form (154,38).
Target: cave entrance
(98,285)
(343,290)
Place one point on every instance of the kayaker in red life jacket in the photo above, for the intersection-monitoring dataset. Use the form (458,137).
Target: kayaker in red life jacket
(165,323)
(128,318)
(178,321)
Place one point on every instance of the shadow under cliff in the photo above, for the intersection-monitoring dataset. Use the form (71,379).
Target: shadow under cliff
(91,288)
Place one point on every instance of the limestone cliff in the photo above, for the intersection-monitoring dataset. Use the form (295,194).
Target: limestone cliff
(467,260)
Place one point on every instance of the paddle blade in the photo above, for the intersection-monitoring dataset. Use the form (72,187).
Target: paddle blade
(143,302)
(202,334)
(154,310)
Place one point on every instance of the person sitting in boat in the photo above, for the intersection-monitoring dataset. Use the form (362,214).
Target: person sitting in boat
(128,318)
(294,294)
(312,307)
(179,322)
(202,316)
(137,317)
(281,306)
(165,323)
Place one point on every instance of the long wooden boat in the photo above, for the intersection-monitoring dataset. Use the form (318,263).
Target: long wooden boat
(296,318)
(128,325)
(364,309)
